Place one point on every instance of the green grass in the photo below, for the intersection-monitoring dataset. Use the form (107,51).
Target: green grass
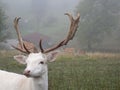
(8,64)
(85,74)
(77,73)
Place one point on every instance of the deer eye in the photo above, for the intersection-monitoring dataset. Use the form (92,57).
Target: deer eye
(41,62)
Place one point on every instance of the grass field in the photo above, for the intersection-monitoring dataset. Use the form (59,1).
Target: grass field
(76,73)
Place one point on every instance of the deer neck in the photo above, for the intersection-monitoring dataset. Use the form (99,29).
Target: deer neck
(41,83)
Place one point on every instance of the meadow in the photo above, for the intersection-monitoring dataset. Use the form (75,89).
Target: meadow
(85,72)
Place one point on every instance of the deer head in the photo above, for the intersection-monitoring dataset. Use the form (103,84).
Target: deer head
(36,60)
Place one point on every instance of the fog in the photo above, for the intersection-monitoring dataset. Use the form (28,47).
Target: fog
(99,23)
(43,16)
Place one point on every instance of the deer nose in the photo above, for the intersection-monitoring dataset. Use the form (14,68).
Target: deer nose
(26,73)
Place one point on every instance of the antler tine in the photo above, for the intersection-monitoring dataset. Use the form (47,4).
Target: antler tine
(22,44)
(16,20)
(76,25)
(71,34)
(73,27)
(26,48)
(40,45)
(54,47)
(70,16)
(21,50)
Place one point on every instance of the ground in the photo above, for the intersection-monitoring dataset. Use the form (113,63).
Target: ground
(76,72)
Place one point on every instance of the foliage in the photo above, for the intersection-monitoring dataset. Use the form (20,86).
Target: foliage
(78,73)
(98,19)
(3,27)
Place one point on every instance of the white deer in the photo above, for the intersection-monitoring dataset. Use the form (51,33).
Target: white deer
(36,72)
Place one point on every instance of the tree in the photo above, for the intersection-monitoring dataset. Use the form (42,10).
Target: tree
(3,27)
(98,18)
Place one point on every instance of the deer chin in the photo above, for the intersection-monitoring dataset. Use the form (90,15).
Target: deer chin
(32,76)
(36,75)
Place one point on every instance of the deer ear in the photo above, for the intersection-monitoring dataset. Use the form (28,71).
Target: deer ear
(52,56)
(20,58)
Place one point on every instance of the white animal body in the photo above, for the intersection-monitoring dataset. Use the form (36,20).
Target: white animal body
(36,73)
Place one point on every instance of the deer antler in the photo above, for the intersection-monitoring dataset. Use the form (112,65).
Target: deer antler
(16,20)
(26,46)
(71,34)
(23,46)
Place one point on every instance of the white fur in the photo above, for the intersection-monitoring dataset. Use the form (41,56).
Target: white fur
(38,76)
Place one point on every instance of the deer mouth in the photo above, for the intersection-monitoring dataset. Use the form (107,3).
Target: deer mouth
(36,76)
(27,75)
(32,76)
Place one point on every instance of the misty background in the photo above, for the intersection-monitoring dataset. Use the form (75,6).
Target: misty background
(99,28)
(39,15)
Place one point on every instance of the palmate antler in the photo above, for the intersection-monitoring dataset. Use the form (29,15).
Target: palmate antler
(26,46)
(71,34)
